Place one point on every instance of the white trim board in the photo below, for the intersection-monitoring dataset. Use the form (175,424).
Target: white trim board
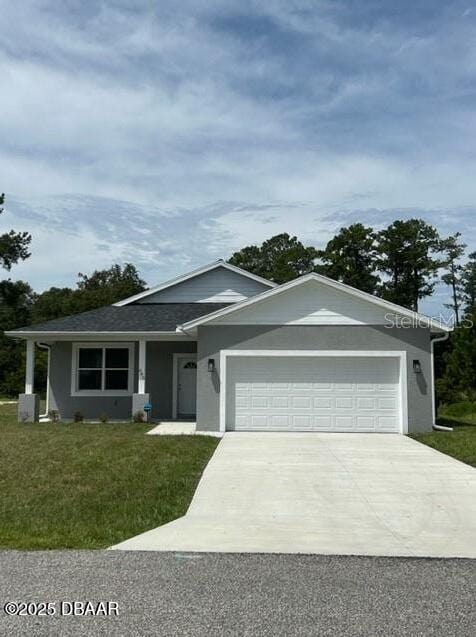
(176,357)
(191,275)
(190,326)
(104,336)
(400,355)
(90,393)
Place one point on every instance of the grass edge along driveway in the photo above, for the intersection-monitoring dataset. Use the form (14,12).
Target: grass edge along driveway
(459,443)
(92,485)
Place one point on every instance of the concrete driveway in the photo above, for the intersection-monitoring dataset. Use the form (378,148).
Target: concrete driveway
(347,494)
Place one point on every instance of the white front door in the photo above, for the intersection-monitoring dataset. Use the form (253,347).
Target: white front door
(186,386)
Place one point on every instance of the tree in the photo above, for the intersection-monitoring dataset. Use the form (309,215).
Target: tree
(53,303)
(468,283)
(279,259)
(102,287)
(407,255)
(13,245)
(249,259)
(16,301)
(453,249)
(111,285)
(116,280)
(458,382)
(350,257)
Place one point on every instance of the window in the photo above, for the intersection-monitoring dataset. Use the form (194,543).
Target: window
(190,365)
(102,368)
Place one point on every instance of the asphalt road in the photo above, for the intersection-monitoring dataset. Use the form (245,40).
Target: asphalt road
(237,594)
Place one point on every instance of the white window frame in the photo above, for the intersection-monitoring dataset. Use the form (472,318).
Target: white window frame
(101,392)
(401,356)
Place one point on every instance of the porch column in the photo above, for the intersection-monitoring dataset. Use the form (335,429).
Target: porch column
(30,367)
(142,369)
(141,399)
(29,403)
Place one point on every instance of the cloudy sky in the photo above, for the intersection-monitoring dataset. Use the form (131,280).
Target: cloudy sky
(171,133)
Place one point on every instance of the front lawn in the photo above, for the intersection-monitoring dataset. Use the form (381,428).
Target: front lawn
(460,443)
(91,486)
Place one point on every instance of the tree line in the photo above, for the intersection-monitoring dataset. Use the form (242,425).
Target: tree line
(401,263)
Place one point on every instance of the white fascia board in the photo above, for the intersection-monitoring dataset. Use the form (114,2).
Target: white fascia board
(398,309)
(191,275)
(93,336)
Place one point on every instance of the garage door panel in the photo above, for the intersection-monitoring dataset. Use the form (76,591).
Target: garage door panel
(344,423)
(344,402)
(242,402)
(305,394)
(365,423)
(387,403)
(280,402)
(387,423)
(301,402)
(322,423)
(321,387)
(322,403)
(303,422)
(280,421)
(343,387)
(366,403)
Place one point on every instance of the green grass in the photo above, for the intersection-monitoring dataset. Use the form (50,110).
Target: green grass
(90,486)
(460,443)
(465,409)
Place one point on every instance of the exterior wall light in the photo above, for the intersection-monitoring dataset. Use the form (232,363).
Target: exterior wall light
(211,365)
(417,366)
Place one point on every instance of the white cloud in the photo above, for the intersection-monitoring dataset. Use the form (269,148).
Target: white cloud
(176,133)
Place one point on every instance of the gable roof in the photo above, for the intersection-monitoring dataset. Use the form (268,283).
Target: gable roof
(163,317)
(185,277)
(391,307)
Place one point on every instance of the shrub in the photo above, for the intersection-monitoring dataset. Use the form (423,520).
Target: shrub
(53,415)
(139,416)
(103,418)
(78,417)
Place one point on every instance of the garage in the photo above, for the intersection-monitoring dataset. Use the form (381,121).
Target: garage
(339,392)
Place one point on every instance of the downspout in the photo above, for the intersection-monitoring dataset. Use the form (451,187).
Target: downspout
(48,349)
(439,339)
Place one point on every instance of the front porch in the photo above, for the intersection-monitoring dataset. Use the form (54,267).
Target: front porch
(115,380)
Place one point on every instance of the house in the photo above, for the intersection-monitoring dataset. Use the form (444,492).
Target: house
(234,351)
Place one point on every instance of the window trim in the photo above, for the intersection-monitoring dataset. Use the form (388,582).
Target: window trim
(101,392)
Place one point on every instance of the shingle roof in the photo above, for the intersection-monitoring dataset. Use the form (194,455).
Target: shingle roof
(160,317)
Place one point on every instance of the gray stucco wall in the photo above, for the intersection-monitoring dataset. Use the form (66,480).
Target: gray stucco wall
(159,362)
(415,341)
(116,407)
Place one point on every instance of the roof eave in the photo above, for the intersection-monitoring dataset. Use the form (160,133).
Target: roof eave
(96,335)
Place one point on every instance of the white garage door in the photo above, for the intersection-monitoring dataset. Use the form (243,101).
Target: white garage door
(313,394)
